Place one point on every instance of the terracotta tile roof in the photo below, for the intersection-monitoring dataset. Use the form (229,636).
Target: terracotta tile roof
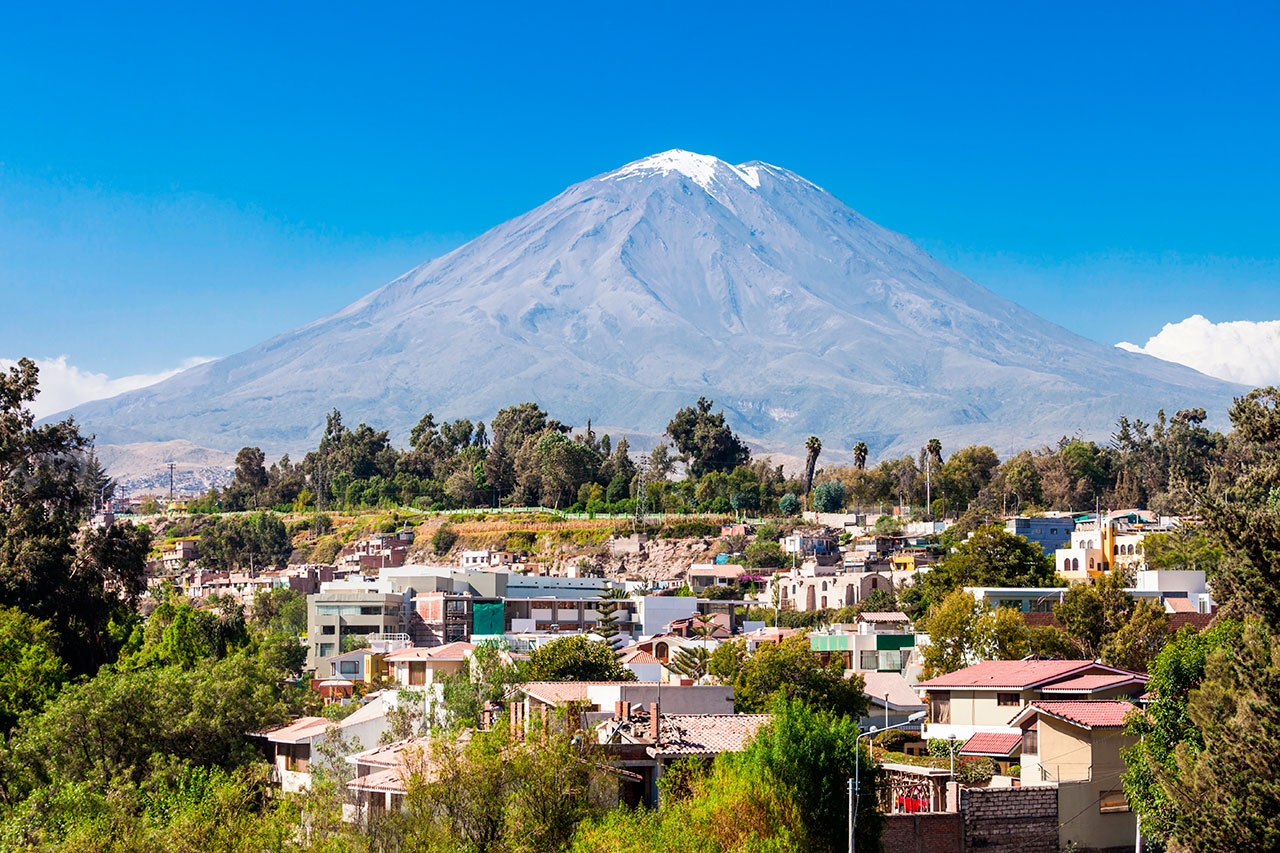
(1180,605)
(694,734)
(299,730)
(449,651)
(877,684)
(1086,713)
(885,616)
(1197,621)
(394,779)
(1090,683)
(391,754)
(1017,674)
(637,656)
(996,744)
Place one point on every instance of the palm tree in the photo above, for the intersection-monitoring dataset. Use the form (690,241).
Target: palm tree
(932,455)
(813,444)
(860,455)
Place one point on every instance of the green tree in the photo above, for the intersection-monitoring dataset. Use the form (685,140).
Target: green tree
(860,455)
(1167,727)
(763,555)
(31,673)
(789,504)
(575,658)
(990,557)
(488,677)
(963,631)
(443,539)
(790,670)
(812,446)
(706,440)
(727,660)
(1139,639)
(607,610)
(829,496)
(1092,613)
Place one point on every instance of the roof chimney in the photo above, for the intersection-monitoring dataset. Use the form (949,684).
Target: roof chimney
(655,724)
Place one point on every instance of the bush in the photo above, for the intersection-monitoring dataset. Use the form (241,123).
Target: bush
(443,539)
(789,505)
(944,747)
(894,740)
(975,771)
(763,555)
(1015,770)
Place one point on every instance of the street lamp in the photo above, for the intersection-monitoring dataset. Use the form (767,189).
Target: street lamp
(855,783)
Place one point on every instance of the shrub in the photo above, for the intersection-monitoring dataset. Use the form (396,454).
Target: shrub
(975,771)
(894,740)
(789,505)
(443,539)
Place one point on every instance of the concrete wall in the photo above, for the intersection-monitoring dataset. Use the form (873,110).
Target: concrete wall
(1085,825)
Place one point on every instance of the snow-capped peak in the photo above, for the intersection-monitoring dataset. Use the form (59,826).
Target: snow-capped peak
(702,168)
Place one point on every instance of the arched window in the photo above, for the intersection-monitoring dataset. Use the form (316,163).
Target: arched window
(1091,563)
(1130,549)
(1075,564)
(824,589)
(1066,564)
(1115,549)
(1088,543)
(824,602)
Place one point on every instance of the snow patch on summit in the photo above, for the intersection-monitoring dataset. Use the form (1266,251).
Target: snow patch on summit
(704,169)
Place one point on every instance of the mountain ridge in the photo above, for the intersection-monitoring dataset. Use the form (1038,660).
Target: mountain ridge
(676,276)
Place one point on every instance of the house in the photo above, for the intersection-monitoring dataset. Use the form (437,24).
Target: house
(880,642)
(892,699)
(703,576)
(177,554)
(358,665)
(643,665)
(1079,746)
(1049,532)
(292,748)
(983,697)
(419,667)
(646,740)
(382,775)
(1001,747)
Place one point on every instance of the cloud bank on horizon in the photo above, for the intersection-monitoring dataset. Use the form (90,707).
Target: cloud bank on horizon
(64,385)
(1239,351)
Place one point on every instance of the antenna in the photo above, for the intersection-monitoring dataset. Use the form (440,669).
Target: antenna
(171,467)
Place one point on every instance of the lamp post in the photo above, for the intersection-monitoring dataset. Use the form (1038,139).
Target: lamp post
(855,783)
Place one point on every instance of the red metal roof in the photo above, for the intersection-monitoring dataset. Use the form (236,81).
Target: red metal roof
(1012,674)
(996,744)
(1087,713)
(1090,683)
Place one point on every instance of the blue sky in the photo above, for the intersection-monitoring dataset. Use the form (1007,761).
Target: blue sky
(179,181)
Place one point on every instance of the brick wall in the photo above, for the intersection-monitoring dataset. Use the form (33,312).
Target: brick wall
(1011,820)
(923,833)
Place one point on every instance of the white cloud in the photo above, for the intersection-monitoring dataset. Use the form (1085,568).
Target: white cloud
(64,385)
(1240,351)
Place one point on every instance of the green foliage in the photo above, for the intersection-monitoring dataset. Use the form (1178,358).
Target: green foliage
(990,557)
(682,778)
(962,632)
(829,496)
(789,504)
(727,660)
(887,525)
(763,554)
(489,678)
(179,634)
(895,740)
(706,440)
(1167,727)
(30,670)
(790,670)
(1223,795)
(258,539)
(575,658)
(279,609)
(119,724)
(443,539)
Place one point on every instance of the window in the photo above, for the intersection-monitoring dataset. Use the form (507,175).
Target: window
(869,660)
(1011,700)
(1031,742)
(940,708)
(1113,801)
(326,629)
(348,667)
(326,650)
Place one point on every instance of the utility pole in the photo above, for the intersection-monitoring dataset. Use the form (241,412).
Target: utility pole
(171,467)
